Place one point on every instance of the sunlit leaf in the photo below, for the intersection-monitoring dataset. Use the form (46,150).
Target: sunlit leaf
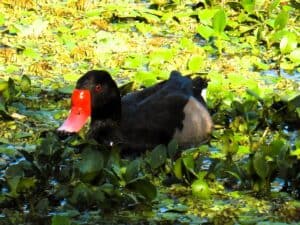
(31,53)
(196,63)
(288,43)
(205,31)
(177,169)
(248,5)
(2,19)
(295,55)
(25,83)
(219,21)
(281,20)
(200,189)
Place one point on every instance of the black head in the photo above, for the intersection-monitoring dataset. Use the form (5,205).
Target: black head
(105,95)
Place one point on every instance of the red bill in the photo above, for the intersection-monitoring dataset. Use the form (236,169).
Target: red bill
(80,111)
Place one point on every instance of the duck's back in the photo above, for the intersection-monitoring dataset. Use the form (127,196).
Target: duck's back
(162,112)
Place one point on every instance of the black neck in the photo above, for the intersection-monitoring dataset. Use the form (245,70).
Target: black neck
(109,111)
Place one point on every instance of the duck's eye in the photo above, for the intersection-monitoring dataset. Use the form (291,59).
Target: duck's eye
(98,88)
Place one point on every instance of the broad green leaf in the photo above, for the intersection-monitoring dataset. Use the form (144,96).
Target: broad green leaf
(189,163)
(295,55)
(66,89)
(205,31)
(177,169)
(145,188)
(158,156)
(60,220)
(3,85)
(281,20)
(25,83)
(219,21)
(172,148)
(91,164)
(2,19)
(31,53)
(261,165)
(273,5)
(288,43)
(206,15)
(26,184)
(248,5)
(200,189)
(132,170)
(196,63)
(296,153)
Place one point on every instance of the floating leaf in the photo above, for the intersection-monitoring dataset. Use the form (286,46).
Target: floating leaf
(219,21)
(295,55)
(31,53)
(248,5)
(132,170)
(281,20)
(158,156)
(2,19)
(196,63)
(145,188)
(91,164)
(288,43)
(178,168)
(205,31)
(25,83)
(60,220)
(261,165)
(200,189)
(172,148)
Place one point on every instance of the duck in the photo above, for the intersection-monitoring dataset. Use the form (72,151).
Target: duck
(173,109)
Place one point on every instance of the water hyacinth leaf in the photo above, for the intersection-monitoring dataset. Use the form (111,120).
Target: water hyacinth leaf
(172,148)
(206,15)
(177,169)
(25,83)
(189,163)
(273,5)
(219,21)
(205,31)
(261,166)
(158,156)
(195,63)
(82,194)
(60,220)
(26,184)
(281,20)
(288,43)
(295,55)
(132,170)
(248,5)
(2,19)
(200,189)
(31,53)
(66,89)
(13,185)
(3,85)
(91,164)
(144,187)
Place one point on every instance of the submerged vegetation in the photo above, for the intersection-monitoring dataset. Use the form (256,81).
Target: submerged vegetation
(248,51)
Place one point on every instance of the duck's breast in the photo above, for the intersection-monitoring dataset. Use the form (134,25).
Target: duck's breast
(197,124)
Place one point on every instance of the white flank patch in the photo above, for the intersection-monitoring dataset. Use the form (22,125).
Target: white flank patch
(197,124)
